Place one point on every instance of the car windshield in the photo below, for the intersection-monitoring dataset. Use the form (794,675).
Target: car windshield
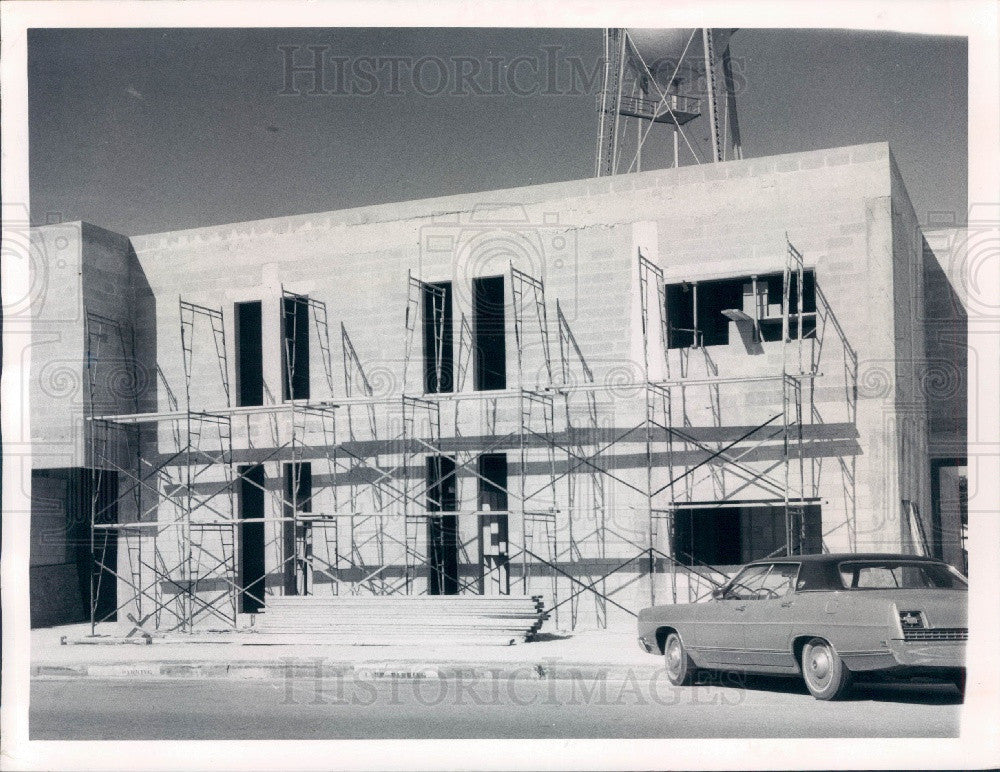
(762,582)
(899,575)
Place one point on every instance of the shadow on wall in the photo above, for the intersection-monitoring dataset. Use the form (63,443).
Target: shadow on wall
(946,341)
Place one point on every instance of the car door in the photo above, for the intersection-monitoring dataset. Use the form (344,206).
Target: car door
(721,639)
(768,619)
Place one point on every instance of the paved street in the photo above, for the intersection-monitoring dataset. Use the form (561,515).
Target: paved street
(620,707)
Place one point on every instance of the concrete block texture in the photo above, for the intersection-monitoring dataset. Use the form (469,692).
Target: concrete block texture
(57,352)
(591,489)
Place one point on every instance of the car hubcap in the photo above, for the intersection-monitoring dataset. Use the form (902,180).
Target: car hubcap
(819,664)
(673,656)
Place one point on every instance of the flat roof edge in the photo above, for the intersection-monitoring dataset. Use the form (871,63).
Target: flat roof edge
(522,195)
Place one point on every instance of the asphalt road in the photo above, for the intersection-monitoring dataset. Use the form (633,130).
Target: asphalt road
(624,707)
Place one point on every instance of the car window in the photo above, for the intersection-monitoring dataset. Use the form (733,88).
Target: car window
(747,583)
(878,575)
(779,581)
(873,577)
(817,576)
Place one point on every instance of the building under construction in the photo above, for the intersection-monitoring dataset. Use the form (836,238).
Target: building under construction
(603,392)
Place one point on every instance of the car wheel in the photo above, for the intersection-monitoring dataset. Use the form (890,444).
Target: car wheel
(825,674)
(680,668)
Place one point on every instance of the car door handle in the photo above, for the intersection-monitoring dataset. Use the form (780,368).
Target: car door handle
(740,608)
(787,604)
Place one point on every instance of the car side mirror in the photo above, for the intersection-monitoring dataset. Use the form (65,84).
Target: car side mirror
(719,593)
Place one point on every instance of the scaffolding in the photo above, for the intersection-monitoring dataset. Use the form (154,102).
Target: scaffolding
(374,519)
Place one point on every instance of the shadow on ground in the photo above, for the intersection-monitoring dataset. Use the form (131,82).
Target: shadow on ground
(935,693)
(542,637)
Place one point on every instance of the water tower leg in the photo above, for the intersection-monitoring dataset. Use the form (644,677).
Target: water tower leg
(638,146)
(713,121)
(734,124)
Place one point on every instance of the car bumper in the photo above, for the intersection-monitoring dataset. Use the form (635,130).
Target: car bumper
(901,654)
(647,646)
(949,654)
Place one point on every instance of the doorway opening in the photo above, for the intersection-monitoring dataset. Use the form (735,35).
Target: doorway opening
(252,568)
(442,529)
(494,577)
(298,533)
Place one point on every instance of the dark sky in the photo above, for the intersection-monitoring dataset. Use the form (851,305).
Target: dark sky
(142,131)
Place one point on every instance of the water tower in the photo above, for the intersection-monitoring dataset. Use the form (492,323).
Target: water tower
(670,77)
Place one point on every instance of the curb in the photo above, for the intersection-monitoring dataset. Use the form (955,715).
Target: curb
(310,668)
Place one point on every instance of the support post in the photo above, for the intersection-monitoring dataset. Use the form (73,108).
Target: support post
(713,118)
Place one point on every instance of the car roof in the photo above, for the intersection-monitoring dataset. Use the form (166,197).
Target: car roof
(837,557)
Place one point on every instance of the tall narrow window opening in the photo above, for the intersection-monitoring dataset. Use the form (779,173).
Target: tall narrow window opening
(680,315)
(295,347)
(439,345)
(298,534)
(489,352)
(252,568)
(249,357)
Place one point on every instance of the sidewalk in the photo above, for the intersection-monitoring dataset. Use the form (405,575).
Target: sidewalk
(614,652)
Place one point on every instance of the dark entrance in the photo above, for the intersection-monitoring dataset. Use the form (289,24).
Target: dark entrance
(950,511)
(252,569)
(100,497)
(442,530)
(298,534)
(494,577)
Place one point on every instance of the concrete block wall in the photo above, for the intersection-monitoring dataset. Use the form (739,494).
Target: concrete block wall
(83,271)
(57,387)
(581,238)
(911,408)
(57,373)
(839,207)
(947,375)
(946,338)
(122,355)
(835,208)
(360,272)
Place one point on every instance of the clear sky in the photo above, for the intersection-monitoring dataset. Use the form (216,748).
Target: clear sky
(141,131)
